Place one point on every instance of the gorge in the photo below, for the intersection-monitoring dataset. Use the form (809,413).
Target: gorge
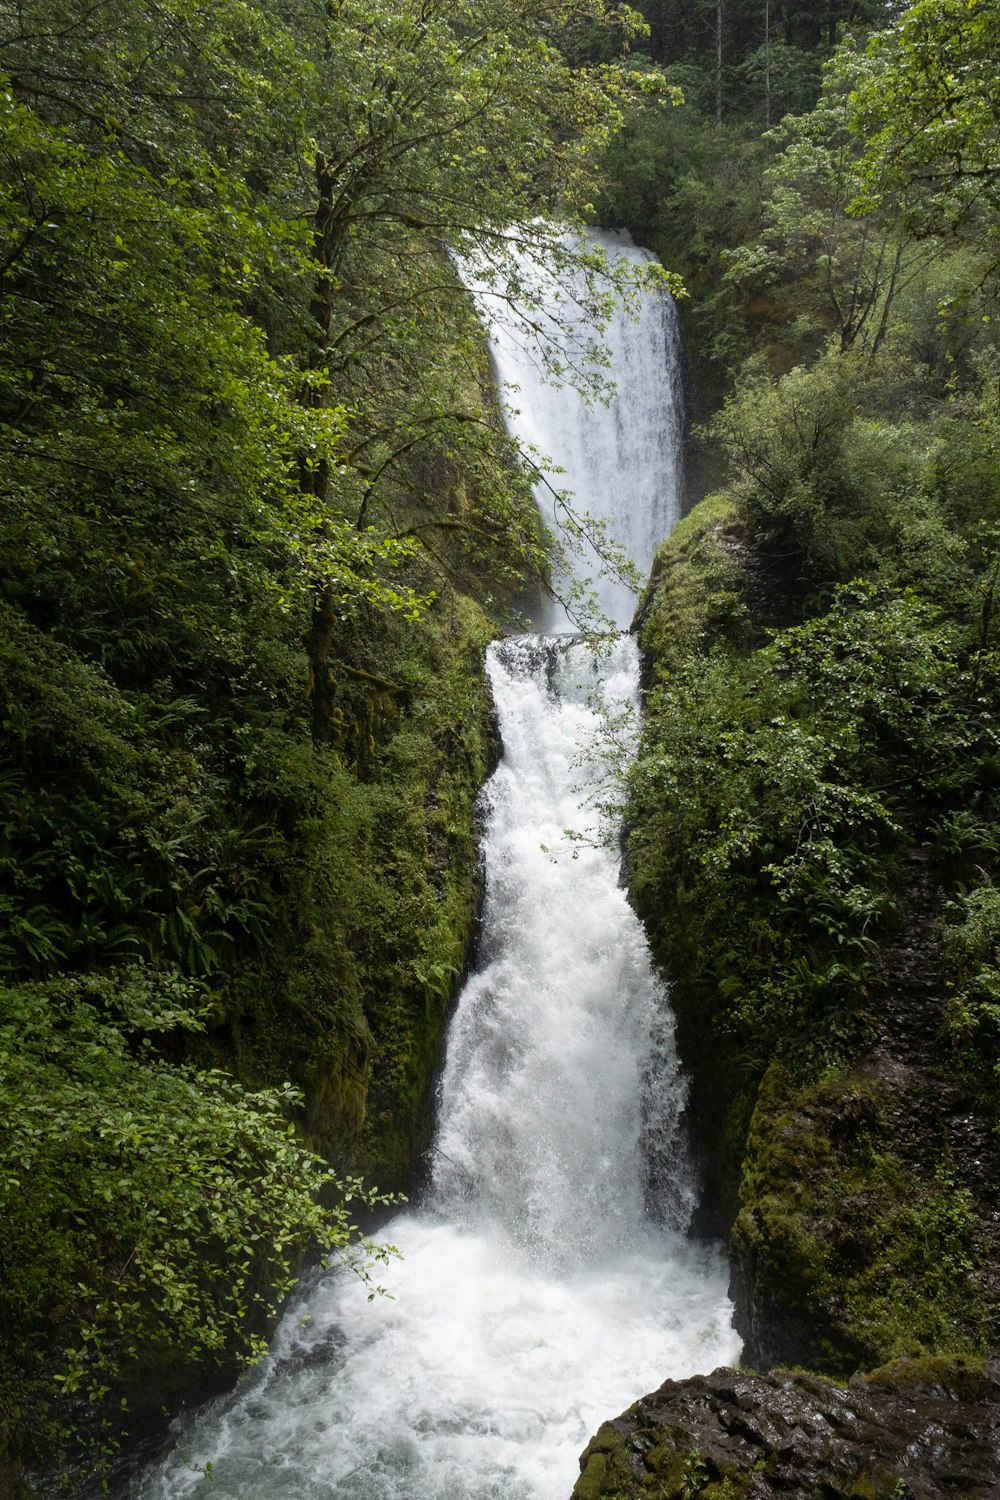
(261,520)
(546,1276)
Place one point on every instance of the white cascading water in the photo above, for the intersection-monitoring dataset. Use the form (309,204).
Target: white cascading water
(619,459)
(546,1280)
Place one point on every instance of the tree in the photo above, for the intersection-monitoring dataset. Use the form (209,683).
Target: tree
(928,113)
(752,59)
(444,128)
(452,125)
(843,269)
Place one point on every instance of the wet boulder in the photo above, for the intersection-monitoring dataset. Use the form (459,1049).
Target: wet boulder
(916,1429)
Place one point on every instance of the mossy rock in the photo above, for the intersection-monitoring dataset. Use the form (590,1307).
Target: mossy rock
(928,1431)
(961,1377)
(696,596)
(849,1252)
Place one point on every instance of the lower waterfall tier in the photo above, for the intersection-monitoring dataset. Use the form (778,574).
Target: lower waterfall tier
(548,1275)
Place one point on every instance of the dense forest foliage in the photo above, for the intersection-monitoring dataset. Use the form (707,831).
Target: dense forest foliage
(260,516)
(815,813)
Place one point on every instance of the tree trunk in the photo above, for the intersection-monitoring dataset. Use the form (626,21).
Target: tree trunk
(315,479)
(888,300)
(767,64)
(319,644)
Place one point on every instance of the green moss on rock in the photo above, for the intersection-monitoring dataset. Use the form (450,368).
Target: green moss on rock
(857,1251)
(697,595)
(927,1429)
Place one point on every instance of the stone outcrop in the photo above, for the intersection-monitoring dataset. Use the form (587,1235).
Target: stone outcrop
(916,1429)
(869,1225)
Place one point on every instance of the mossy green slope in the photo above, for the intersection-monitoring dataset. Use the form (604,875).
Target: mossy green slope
(787,859)
(354,1016)
(285,913)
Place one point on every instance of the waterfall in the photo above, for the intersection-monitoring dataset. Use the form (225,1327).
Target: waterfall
(620,458)
(546,1281)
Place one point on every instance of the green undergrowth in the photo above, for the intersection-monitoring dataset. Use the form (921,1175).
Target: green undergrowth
(155,1212)
(970,948)
(813,841)
(233,948)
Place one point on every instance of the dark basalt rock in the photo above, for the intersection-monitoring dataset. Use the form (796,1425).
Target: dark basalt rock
(917,1429)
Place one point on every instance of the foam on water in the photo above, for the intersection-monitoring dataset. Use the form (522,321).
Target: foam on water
(482,1380)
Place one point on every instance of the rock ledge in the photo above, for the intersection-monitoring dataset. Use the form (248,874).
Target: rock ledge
(916,1429)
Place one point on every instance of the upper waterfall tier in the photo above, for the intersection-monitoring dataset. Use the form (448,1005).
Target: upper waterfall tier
(620,458)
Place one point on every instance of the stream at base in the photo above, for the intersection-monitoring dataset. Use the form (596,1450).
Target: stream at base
(546,1280)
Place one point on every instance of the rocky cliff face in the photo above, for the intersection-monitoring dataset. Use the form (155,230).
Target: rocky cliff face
(869,1223)
(919,1430)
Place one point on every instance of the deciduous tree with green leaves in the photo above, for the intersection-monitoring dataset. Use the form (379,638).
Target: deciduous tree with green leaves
(928,112)
(837,268)
(152,1215)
